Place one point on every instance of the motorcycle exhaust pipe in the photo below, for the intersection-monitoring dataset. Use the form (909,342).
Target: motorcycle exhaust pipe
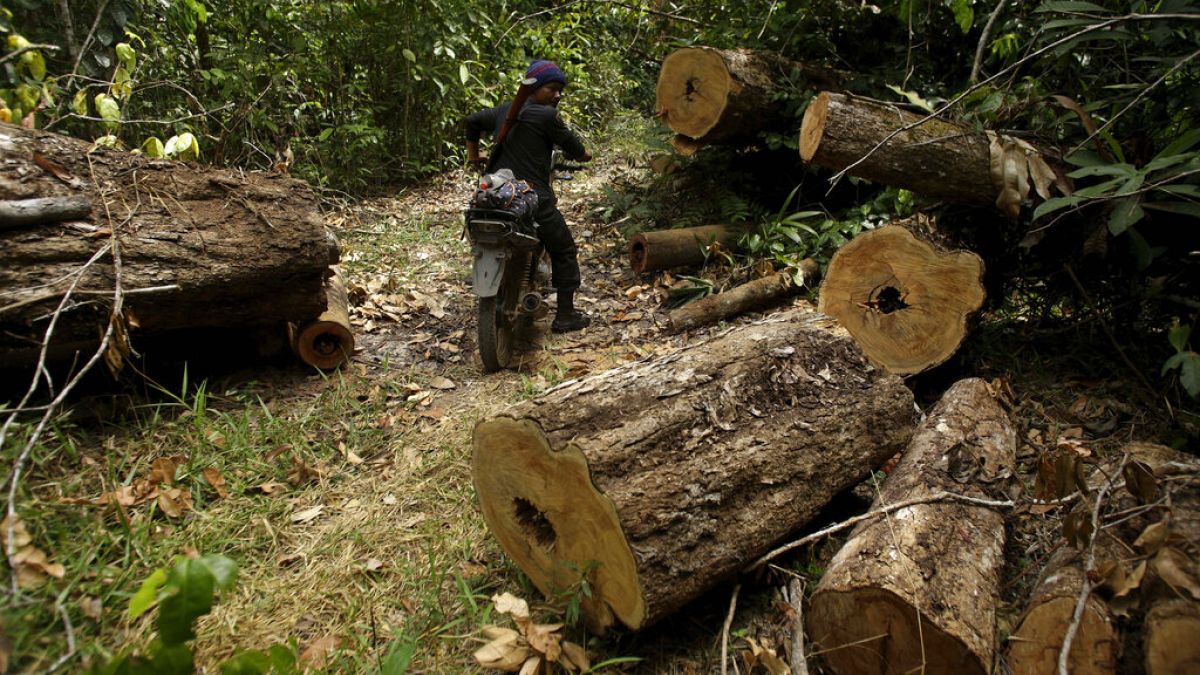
(532,303)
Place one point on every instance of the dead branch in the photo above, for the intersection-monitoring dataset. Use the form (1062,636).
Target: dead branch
(725,629)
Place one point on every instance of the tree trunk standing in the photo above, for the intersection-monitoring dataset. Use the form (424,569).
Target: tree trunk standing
(936,158)
(904,301)
(917,591)
(1035,645)
(68,23)
(744,298)
(711,95)
(244,249)
(682,247)
(673,473)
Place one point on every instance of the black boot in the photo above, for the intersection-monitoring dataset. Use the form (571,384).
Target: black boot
(567,319)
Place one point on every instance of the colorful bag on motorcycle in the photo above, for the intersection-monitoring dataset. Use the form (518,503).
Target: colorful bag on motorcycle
(501,191)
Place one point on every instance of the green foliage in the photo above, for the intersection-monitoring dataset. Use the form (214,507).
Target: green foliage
(183,594)
(1186,361)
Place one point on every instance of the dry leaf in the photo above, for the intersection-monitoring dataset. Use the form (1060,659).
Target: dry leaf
(544,639)
(374,564)
(390,499)
(93,608)
(33,567)
(1153,538)
(214,478)
(505,652)
(175,501)
(575,657)
(1140,482)
(765,656)
(307,514)
(302,473)
(20,536)
(271,488)
(316,655)
(507,603)
(162,470)
(531,665)
(443,383)
(1178,570)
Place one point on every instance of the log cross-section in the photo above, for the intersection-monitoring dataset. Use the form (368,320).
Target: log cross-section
(661,478)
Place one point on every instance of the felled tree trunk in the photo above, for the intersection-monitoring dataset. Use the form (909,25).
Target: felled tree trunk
(708,95)
(672,474)
(327,341)
(197,247)
(1035,646)
(903,300)
(666,249)
(936,158)
(744,298)
(1172,638)
(917,591)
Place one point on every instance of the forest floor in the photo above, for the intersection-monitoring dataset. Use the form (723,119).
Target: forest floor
(346,498)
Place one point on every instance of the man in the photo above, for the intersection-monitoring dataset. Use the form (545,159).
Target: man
(525,142)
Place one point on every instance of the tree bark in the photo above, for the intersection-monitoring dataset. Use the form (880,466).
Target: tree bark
(1170,643)
(748,296)
(711,95)
(1035,646)
(917,592)
(327,341)
(674,473)
(682,247)
(903,300)
(243,249)
(21,212)
(936,158)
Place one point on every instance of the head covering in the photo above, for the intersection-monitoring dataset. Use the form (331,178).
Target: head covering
(542,72)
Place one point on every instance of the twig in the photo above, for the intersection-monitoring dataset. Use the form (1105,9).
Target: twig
(1142,94)
(27,48)
(767,21)
(1086,589)
(1107,331)
(725,629)
(91,34)
(565,5)
(1026,59)
(795,590)
(66,619)
(46,296)
(983,40)
(193,116)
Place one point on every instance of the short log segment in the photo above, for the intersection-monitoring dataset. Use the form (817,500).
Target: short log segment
(744,298)
(1172,638)
(905,301)
(1035,646)
(22,212)
(672,474)
(936,158)
(199,247)
(327,341)
(711,95)
(681,247)
(920,588)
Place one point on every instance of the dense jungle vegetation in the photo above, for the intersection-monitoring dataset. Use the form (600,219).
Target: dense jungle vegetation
(364,98)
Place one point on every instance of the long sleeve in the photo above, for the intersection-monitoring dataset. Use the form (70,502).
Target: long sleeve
(485,121)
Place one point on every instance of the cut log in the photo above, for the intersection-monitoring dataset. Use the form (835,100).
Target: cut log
(917,592)
(21,212)
(682,247)
(748,296)
(327,341)
(936,158)
(1172,638)
(903,300)
(198,247)
(1034,647)
(661,478)
(711,95)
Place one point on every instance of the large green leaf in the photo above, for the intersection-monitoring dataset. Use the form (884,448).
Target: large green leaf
(964,14)
(109,110)
(1127,212)
(147,594)
(1072,6)
(1055,204)
(1178,335)
(190,587)
(126,55)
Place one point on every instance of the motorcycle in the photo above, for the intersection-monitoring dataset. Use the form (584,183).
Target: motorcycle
(506,275)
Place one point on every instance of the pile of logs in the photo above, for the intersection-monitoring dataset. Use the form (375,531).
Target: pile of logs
(183,247)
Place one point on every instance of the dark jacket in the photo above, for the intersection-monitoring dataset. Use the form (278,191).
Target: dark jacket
(530,142)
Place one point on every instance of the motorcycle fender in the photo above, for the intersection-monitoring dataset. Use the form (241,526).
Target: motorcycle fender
(489,270)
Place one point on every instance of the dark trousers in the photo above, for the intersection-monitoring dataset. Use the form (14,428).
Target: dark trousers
(556,237)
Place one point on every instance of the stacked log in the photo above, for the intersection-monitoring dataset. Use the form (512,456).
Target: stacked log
(905,301)
(680,247)
(327,341)
(191,247)
(659,479)
(749,296)
(708,95)
(917,591)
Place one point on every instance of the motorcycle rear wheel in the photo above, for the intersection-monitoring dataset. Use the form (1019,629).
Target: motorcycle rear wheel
(495,334)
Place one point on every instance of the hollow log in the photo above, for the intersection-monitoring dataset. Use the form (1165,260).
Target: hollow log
(711,95)
(21,212)
(905,301)
(936,158)
(198,247)
(327,341)
(917,592)
(661,478)
(1172,638)
(681,247)
(748,296)
(1035,646)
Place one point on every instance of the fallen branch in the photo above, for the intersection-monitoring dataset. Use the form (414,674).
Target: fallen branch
(725,629)
(795,592)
